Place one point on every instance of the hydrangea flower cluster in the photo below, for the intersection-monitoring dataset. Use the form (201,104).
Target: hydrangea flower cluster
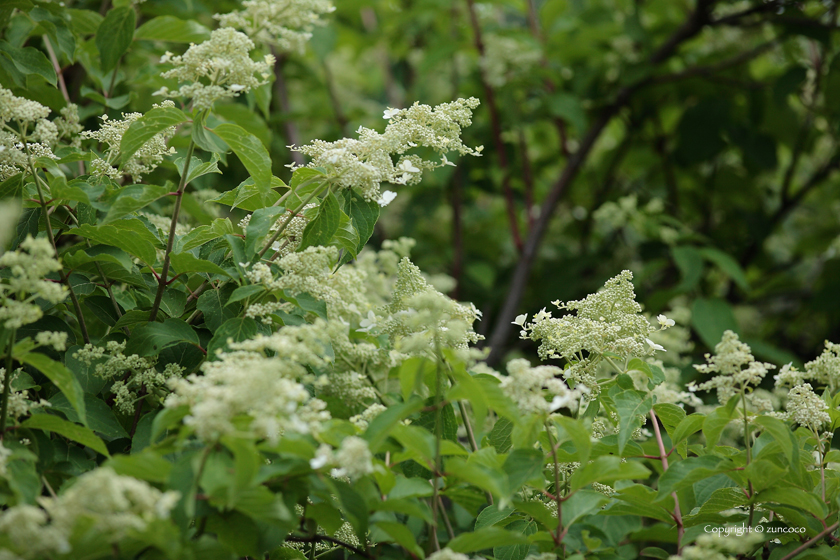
(143,162)
(100,502)
(219,68)
(736,367)
(806,408)
(26,282)
(716,547)
(286,24)
(134,374)
(529,386)
(248,384)
(366,162)
(34,133)
(19,404)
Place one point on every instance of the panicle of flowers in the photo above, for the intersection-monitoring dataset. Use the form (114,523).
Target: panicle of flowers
(33,136)
(363,420)
(26,282)
(143,162)
(736,367)
(825,369)
(248,383)
(806,408)
(111,363)
(447,554)
(718,547)
(354,458)
(418,316)
(287,24)
(99,502)
(366,162)
(219,68)
(607,321)
(350,387)
(539,390)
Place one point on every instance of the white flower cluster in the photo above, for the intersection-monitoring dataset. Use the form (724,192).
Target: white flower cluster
(111,364)
(718,547)
(366,162)
(607,321)
(363,420)
(16,146)
(736,368)
(447,554)
(419,316)
(219,68)
(806,408)
(100,502)
(825,370)
(284,23)
(55,340)
(26,282)
(19,403)
(248,384)
(350,387)
(353,456)
(539,390)
(143,162)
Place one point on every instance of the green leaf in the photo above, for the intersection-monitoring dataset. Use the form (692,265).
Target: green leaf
(100,417)
(79,434)
(150,339)
(689,425)
(202,137)
(250,152)
(582,503)
(147,127)
(670,415)
(204,234)
(716,421)
(172,29)
(61,377)
(248,197)
(686,472)
(573,430)
(363,213)
(354,506)
(258,227)
(28,60)
(145,466)
(788,442)
(492,515)
(690,262)
(630,404)
(198,167)
(516,551)
(728,265)
(401,535)
(796,497)
(500,436)
(710,318)
(236,329)
(131,198)
(522,465)
(129,235)
(381,426)
(323,226)
(605,469)
(484,538)
(114,36)
(346,238)
(187,262)
(638,499)
(212,303)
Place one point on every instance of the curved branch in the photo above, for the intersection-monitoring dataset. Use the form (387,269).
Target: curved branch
(333,540)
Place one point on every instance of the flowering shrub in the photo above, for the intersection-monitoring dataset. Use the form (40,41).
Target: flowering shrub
(194,372)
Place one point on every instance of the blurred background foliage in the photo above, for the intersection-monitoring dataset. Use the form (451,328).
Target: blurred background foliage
(692,142)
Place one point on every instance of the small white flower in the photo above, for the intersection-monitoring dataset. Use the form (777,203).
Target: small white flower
(386,198)
(664,321)
(407,167)
(369,322)
(390,113)
(654,345)
(520,319)
(236,87)
(445,162)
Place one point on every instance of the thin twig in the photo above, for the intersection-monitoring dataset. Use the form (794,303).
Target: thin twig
(808,544)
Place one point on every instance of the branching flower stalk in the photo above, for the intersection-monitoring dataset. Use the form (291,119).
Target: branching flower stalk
(291,216)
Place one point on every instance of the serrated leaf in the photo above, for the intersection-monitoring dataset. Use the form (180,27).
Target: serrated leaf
(688,471)
(100,417)
(114,36)
(259,226)
(28,60)
(132,198)
(129,235)
(236,329)
(630,404)
(689,425)
(363,213)
(347,238)
(147,127)
(212,303)
(250,152)
(204,234)
(56,425)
